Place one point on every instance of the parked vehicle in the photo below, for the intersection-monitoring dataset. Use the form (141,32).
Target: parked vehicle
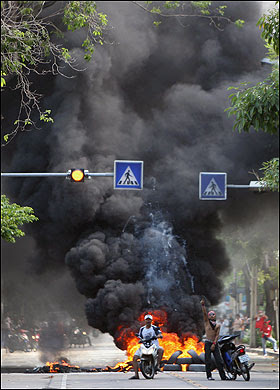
(34,338)
(236,361)
(148,357)
(18,341)
(79,337)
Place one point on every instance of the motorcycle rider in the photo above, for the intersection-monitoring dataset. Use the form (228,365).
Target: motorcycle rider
(148,331)
(212,330)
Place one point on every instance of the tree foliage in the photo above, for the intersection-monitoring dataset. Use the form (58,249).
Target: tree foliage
(209,10)
(32,41)
(271,174)
(13,216)
(248,247)
(270,24)
(257,107)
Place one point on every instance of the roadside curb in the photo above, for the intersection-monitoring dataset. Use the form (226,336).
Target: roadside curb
(259,351)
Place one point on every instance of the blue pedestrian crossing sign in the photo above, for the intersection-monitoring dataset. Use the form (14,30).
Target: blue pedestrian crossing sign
(128,175)
(212,186)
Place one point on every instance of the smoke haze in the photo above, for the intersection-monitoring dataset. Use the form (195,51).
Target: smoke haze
(157,95)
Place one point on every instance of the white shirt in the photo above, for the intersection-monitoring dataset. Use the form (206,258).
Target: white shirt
(224,330)
(148,333)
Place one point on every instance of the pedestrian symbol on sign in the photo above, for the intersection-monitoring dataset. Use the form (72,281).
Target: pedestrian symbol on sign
(212,189)
(128,178)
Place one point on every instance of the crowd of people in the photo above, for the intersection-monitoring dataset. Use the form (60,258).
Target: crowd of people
(240,324)
(237,325)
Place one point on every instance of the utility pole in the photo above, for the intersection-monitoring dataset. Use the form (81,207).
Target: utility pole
(253,309)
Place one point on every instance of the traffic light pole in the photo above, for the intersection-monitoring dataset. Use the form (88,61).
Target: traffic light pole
(51,174)
(253,184)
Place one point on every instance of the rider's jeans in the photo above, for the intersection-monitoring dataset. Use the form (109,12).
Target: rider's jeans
(272,340)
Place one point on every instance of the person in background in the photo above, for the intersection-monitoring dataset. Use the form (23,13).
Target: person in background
(230,320)
(224,326)
(6,329)
(266,330)
(260,318)
(246,322)
(237,327)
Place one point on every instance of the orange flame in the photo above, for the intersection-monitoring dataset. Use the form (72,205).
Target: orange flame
(55,366)
(170,342)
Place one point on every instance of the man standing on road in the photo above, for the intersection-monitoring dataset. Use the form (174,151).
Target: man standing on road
(146,332)
(212,330)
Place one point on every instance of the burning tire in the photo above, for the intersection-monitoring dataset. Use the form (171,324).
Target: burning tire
(147,369)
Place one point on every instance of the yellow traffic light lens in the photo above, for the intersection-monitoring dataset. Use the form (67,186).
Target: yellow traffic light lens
(77,175)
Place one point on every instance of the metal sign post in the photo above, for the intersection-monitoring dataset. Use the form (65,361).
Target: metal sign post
(128,175)
(213,185)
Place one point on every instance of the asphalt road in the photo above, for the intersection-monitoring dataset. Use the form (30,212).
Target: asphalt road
(119,380)
(103,352)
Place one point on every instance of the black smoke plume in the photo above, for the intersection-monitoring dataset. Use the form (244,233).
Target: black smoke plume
(157,95)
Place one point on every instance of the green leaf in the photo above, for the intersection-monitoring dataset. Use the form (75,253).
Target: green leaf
(239,23)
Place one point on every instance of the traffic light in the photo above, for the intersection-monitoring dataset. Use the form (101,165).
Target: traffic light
(78,175)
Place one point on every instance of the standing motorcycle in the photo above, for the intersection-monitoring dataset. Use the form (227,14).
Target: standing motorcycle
(34,338)
(18,341)
(236,361)
(148,357)
(79,337)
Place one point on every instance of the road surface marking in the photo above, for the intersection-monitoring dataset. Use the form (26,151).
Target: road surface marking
(63,381)
(188,380)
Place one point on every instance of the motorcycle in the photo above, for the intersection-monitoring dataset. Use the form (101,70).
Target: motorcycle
(34,339)
(236,361)
(148,357)
(79,337)
(18,341)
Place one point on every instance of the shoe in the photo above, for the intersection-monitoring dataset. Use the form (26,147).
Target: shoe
(275,350)
(265,354)
(226,379)
(210,378)
(134,377)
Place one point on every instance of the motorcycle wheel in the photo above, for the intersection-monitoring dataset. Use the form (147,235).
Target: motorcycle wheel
(245,372)
(147,369)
